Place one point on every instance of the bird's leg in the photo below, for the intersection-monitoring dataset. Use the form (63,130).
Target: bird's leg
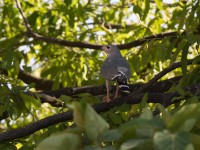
(107,98)
(117,91)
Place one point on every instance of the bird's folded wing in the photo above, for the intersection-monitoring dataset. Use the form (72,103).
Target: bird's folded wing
(109,69)
(117,70)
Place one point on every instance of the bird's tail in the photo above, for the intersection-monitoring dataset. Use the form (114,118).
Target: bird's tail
(124,88)
(122,79)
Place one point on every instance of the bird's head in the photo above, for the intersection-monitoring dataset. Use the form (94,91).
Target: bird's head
(110,49)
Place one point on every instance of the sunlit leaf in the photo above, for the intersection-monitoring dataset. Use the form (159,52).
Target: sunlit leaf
(159,4)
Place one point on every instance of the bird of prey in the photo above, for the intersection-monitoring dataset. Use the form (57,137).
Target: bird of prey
(115,68)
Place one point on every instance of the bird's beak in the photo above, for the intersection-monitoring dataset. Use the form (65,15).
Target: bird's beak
(101,48)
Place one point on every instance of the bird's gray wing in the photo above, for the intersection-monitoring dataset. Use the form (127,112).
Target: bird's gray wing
(116,69)
(109,69)
(123,67)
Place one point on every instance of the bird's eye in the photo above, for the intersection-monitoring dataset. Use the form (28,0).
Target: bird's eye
(108,47)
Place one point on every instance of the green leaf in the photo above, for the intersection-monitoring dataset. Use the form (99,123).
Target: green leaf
(87,119)
(181,45)
(66,99)
(115,118)
(171,141)
(19,106)
(143,102)
(95,125)
(27,69)
(140,123)
(188,125)
(146,114)
(30,101)
(146,9)
(8,146)
(184,59)
(60,141)
(111,135)
(79,114)
(159,4)
(137,144)
(137,9)
(195,140)
(187,116)
(165,115)
(33,17)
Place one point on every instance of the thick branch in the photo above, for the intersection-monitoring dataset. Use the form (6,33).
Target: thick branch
(40,83)
(50,96)
(101,89)
(30,129)
(63,42)
(96,90)
(46,85)
(102,107)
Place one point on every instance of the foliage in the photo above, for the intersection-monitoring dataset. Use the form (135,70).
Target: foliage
(153,35)
(139,133)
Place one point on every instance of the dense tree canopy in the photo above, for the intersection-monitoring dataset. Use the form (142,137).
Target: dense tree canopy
(51,89)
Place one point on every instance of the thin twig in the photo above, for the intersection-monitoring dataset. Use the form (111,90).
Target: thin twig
(160,75)
(28,28)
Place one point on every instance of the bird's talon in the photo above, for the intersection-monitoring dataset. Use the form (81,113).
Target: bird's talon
(106,99)
(116,97)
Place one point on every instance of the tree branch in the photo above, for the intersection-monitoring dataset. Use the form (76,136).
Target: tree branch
(102,107)
(44,98)
(101,89)
(46,85)
(50,96)
(4,115)
(97,90)
(62,42)
(33,127)
(40,83)
(28,28)
(161,74)
(147,39)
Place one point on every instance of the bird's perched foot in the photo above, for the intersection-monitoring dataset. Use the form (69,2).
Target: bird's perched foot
(117,96)
(106,99)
